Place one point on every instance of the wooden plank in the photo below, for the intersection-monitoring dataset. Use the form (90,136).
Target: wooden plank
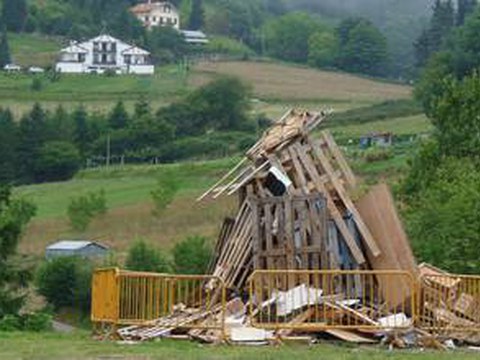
(341,161)
(362,228)
(378,210)
(350,336)
(225,177)
(334,212)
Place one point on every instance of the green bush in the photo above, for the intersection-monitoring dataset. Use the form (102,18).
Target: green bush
(144,257)
(38,321)
(84,208)
(192,256)
(10,323)
(37,84)
(163,194)
(58,161)
(375,154)
(66,282)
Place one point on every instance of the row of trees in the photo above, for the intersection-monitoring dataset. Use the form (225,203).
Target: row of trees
(442,190)
(355,45)
(47,146)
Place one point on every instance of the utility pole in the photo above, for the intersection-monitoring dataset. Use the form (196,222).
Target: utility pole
(108,151)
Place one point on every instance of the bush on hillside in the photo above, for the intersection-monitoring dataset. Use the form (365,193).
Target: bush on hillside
(66,282)
(192,255)
(144,257)
(163,194)
(58,161)
(84,208)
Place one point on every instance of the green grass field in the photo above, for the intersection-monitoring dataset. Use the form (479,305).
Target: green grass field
(79,346)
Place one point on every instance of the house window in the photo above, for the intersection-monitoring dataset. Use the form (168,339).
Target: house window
(168,9)
(175,21)
(104,59)
(161,20)
(147,18)
(154,19)
(128,59)
(104,46)
(81,58)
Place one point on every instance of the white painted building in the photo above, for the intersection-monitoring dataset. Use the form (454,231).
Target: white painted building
(104,53)
(157,13)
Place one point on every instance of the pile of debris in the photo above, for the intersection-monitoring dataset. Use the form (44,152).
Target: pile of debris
(296,212)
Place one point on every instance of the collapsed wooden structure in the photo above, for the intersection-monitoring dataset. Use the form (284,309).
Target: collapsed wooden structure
(296,211)
(298,215)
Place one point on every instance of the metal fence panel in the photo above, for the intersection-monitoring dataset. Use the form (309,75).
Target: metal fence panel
(322,300)
(450,304)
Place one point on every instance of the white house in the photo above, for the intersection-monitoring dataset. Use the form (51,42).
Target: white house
(104,53)
(157,13)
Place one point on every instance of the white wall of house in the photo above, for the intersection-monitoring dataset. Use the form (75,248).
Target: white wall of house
(104,53)
(154,14)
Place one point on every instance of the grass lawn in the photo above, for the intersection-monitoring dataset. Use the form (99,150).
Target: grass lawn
(77,346)
(34,49)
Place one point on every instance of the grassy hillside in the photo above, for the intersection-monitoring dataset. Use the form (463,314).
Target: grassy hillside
(34,49)
(128,192)
(276,86)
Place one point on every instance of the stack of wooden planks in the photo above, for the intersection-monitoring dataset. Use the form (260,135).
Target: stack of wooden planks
(296,211)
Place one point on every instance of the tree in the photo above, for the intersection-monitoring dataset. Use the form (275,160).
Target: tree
(66,282)
(287,37)
(32,131)
(143,257)
(8,147)
(464,9)
(58,161)
(322,49)
(81,133)
(433,37)
(14,216)
(82,209)
(118,118)
(443,220)
(14,14)
(196,20)
(192,256)
(363,49)
(4,49)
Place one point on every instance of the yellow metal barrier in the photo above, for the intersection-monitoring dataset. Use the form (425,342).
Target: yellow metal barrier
(321,300)
(450,304)
(172,301)
(105,296)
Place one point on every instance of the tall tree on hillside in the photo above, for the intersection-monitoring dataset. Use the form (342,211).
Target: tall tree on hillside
(118,118)
(31,139)
(363,48)
(464,8)
(14,14)
(14,216)
(81,132)
(4,49)
(8,146)
(197,15)
(433,37)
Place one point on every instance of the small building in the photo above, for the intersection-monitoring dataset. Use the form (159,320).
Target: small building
(157,13)
(195,37)
(104,53)
(81,248)
(376,140)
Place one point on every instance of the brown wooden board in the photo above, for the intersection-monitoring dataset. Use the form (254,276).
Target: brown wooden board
(380,215)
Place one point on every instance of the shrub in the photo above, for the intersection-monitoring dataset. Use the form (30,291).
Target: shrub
(58,161)
(375,154)
(38,321)
(10,323)
(84,208)
(144,257)
(163,195)
(37,84)
(65,282)
(192,255)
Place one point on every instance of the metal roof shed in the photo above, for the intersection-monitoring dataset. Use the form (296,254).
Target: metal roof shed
(81,248)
